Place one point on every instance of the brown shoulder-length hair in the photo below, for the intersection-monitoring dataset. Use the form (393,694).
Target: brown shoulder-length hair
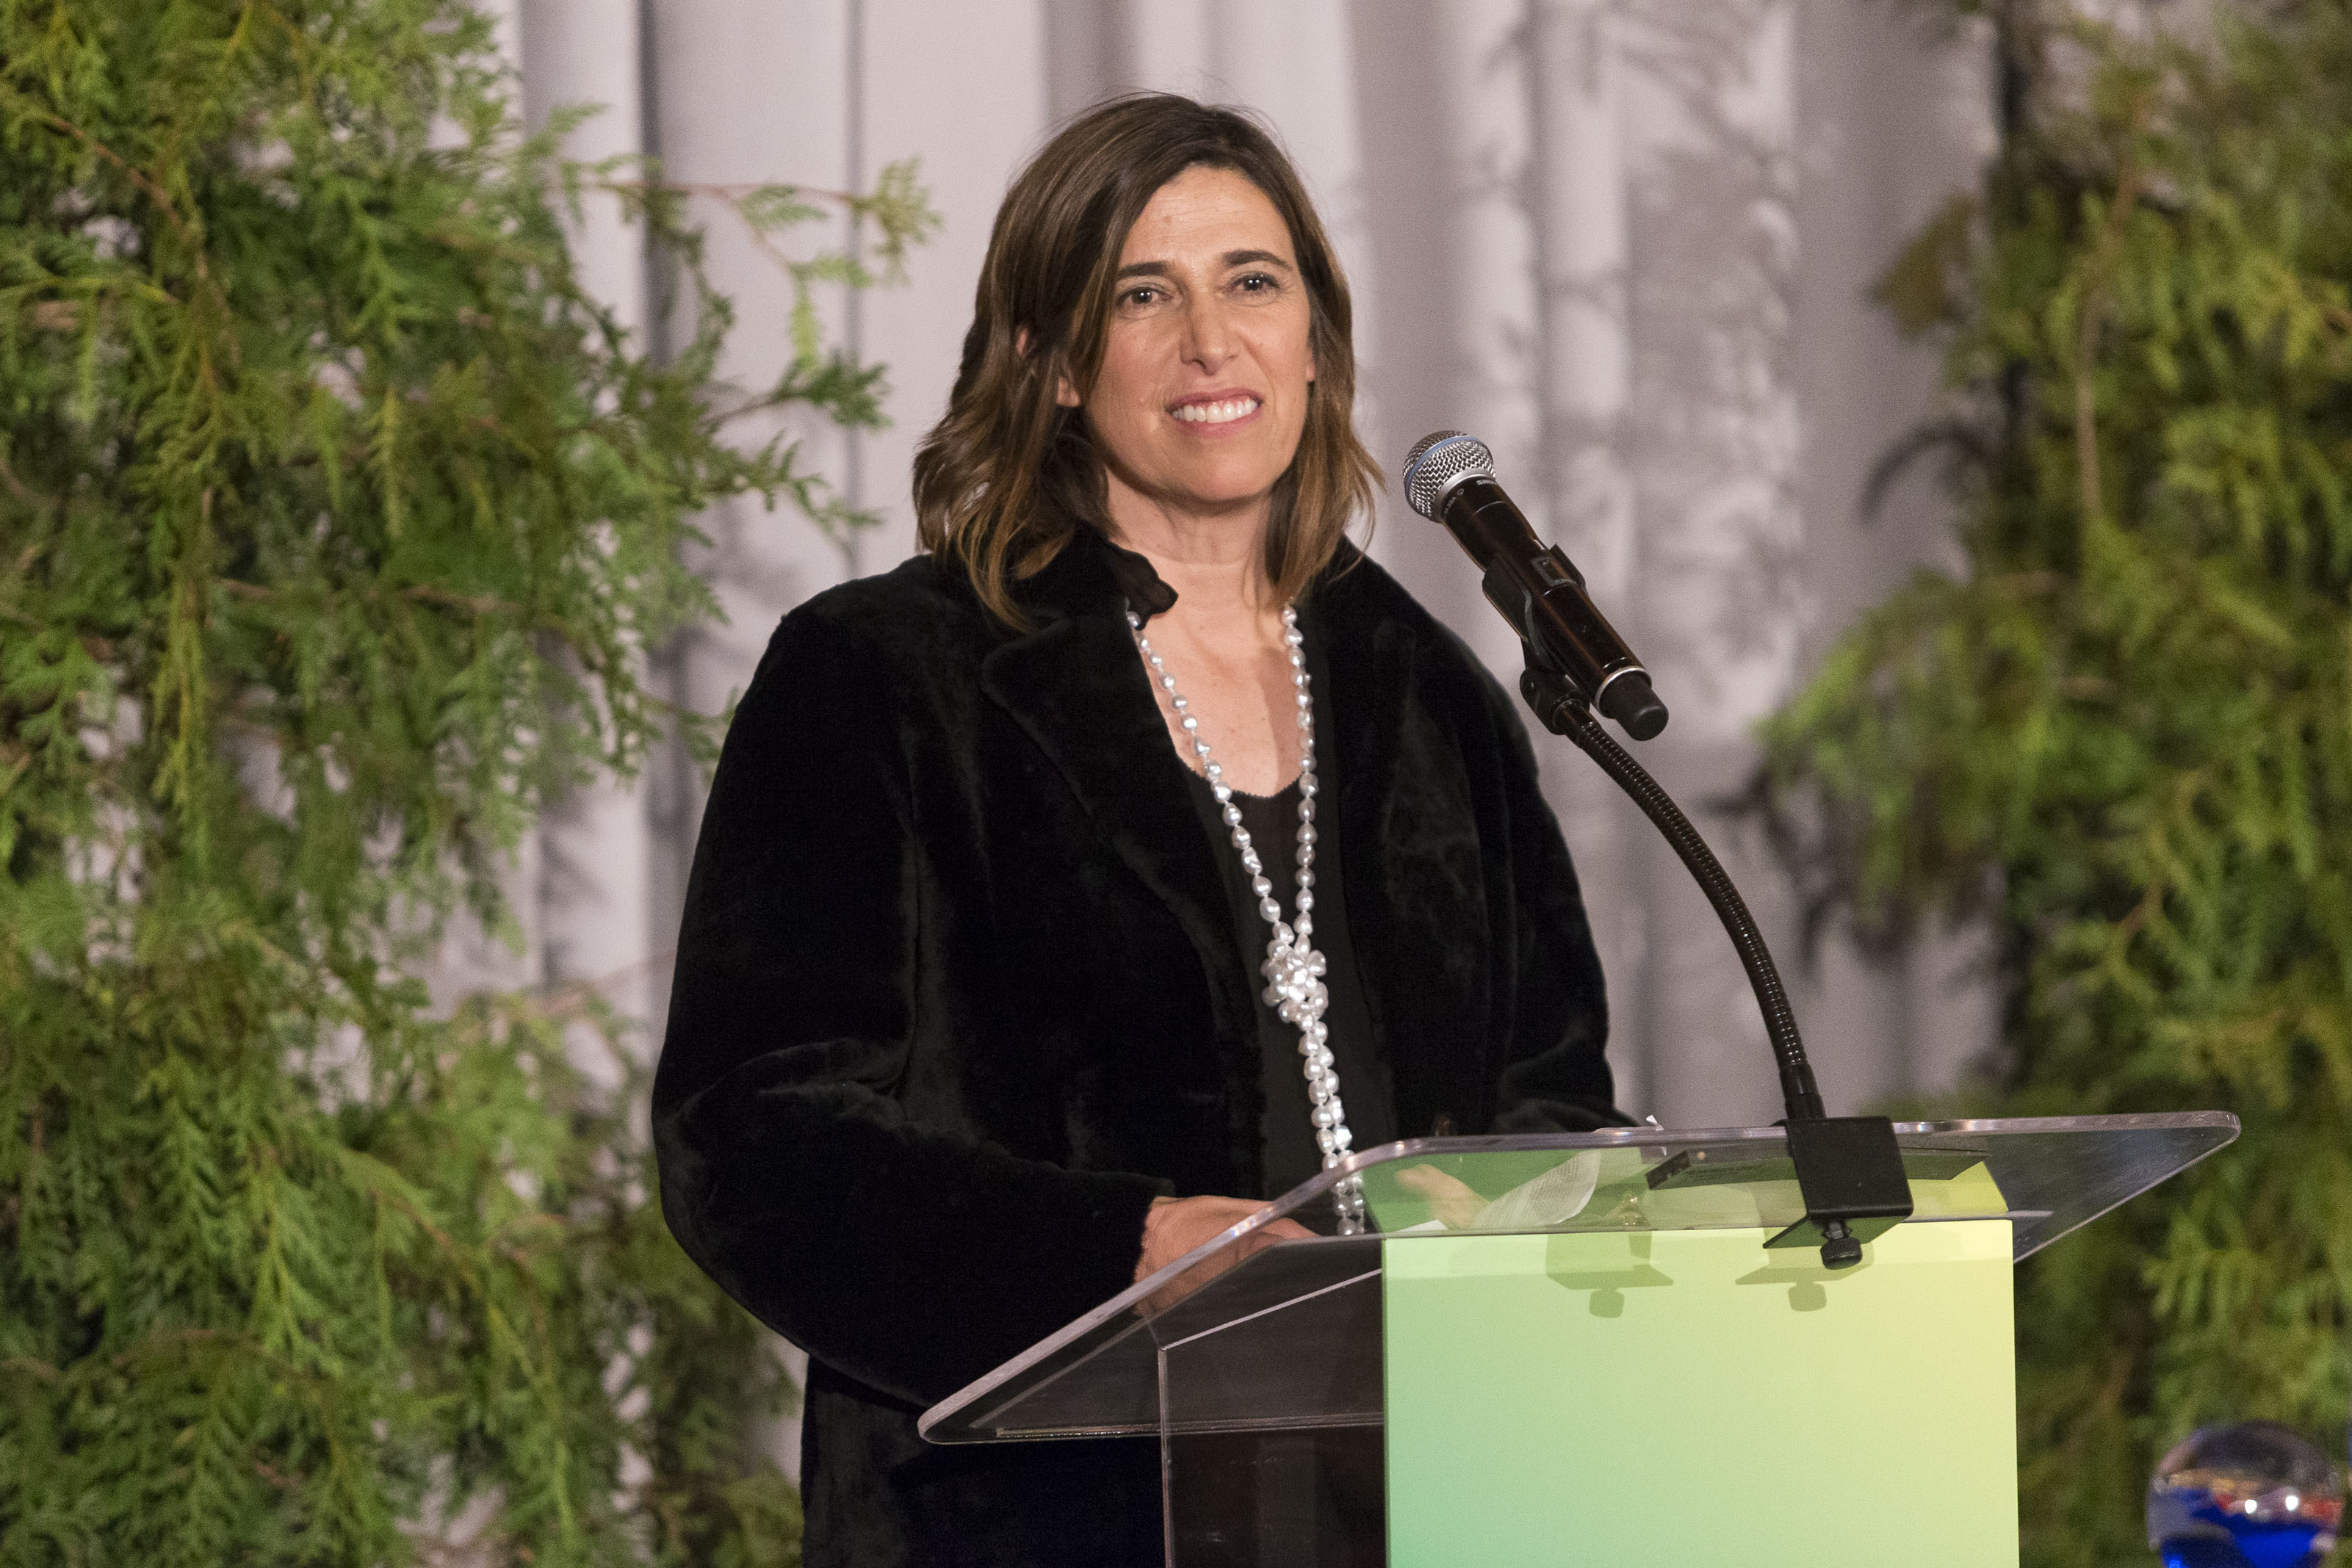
(1009,475)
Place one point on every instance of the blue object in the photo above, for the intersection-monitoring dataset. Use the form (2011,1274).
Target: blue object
(2254,1494)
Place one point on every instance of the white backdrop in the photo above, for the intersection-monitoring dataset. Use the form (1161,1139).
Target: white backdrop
(1628,242)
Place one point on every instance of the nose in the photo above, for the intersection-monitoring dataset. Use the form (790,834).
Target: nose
(1208,334)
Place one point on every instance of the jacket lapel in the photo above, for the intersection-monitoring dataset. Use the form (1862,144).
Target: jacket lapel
(1076,688)
(1415,881)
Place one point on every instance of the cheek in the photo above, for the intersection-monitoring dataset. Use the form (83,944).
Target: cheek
(1292,352)
(1127,391)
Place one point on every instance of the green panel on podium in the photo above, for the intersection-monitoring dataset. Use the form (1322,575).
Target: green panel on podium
(1672,1397)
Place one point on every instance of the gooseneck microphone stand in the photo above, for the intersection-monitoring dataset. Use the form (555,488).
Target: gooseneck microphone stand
(1564,713)
(1848,1168)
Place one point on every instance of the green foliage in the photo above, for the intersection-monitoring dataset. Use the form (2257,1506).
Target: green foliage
(335,524)
(2126,737)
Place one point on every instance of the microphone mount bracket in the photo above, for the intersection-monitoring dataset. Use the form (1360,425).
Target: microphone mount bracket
(1619,686)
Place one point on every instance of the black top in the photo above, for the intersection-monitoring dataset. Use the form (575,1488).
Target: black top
(1292,1155)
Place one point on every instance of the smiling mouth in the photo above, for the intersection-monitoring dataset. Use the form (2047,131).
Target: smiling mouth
(1224,412)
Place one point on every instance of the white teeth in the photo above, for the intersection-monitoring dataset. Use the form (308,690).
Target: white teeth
(1232,408)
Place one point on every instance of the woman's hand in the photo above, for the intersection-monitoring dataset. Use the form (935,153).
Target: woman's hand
(1451,1200)
(1177,1225)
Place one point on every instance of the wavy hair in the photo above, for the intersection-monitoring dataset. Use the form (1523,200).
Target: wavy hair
(1008,474)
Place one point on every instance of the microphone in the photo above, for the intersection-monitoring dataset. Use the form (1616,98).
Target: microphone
(1449,477)
(1849,1169)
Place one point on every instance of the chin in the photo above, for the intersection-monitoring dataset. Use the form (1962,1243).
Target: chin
(1226,484)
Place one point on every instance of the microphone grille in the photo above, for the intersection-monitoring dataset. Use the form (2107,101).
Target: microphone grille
(1437,460)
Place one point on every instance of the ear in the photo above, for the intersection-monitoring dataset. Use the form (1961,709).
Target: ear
(1065,393)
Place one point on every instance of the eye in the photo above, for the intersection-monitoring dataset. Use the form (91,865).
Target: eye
(1258,283)
(1142,294)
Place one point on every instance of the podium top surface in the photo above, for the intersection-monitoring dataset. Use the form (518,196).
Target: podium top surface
(1302,1315)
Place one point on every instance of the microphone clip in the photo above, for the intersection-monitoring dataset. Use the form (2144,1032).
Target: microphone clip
(1543,597)
(1551,693)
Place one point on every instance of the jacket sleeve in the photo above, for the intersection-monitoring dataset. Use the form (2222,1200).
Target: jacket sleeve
(911,1258)
(1555,1077)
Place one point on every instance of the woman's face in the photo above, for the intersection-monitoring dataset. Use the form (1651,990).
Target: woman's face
(1203,391)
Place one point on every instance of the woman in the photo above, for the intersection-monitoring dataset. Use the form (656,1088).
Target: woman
(968,1030)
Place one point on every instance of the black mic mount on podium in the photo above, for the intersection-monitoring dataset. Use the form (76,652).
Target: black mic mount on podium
(1847,1167)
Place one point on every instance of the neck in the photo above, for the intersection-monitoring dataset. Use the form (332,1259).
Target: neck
(1215,561)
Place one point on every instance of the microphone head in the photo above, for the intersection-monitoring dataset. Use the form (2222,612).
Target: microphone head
(1438,461)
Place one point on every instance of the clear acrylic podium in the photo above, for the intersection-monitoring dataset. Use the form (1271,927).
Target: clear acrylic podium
(1579,1349)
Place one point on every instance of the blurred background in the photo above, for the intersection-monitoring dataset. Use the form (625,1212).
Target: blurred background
(1630,243)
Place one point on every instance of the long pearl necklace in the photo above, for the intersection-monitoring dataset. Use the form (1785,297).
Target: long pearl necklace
(1293,969)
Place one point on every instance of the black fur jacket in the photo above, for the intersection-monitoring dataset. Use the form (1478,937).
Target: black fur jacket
(958,995)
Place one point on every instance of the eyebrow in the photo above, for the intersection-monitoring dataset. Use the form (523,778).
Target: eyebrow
(1231,258)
